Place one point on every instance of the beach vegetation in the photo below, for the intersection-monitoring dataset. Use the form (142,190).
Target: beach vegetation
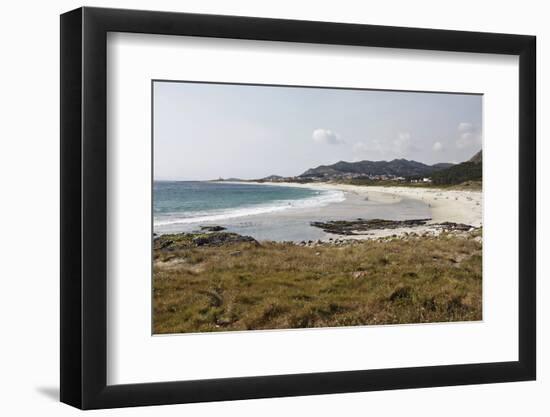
(240,284)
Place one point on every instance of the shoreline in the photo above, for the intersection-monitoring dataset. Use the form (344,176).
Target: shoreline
(462,207)
(456,206)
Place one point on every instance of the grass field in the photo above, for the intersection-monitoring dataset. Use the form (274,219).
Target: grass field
(249,286)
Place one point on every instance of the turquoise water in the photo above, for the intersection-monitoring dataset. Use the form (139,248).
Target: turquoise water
(193,202)
(264,211)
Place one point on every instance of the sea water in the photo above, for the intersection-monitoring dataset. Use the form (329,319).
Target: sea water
(265,211)
(194,203)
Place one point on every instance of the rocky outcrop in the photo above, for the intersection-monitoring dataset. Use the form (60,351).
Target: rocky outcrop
(214,228)
(176,241)
(356,227)
(220,239)
(362,226)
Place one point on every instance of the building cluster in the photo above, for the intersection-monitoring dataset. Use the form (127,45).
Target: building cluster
(355,176)
(423,180)
(346,176)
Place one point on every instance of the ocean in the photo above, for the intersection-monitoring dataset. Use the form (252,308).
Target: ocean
(264,211)
(197,202)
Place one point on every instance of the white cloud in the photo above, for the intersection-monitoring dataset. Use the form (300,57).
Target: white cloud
(469,136)
(399,147)
(402,144)
(438,146)
(465,127)
(327,136)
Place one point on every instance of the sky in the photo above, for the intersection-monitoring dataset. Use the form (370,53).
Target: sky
(206,131)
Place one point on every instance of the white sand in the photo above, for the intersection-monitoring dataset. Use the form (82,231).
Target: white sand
(456,206)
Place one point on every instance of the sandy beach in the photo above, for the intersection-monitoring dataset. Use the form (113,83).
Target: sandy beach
(357,202)
(457,206)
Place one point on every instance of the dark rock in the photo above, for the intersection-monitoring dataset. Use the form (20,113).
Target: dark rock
(355,227)
(454,226)
(179,241)
(214,228)
(220,239)
(361,226)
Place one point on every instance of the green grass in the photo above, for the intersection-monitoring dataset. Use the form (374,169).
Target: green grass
(243,286)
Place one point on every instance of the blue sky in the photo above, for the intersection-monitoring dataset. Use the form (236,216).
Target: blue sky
(206,131)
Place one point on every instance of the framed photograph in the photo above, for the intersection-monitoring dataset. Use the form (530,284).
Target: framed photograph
(260,208)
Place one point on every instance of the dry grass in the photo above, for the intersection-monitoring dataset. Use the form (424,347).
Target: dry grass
(242,286)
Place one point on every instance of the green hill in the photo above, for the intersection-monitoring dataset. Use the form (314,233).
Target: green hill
(397,167)
(471,170)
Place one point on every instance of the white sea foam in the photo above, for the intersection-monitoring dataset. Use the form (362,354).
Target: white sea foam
(322,199)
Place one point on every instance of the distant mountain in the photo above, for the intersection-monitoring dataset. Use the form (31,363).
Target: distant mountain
(272,178)
(230,179)
(476,159)
(471,170)
(395,168)
(442,165)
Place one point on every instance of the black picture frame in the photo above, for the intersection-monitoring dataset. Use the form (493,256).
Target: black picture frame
(84,207)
